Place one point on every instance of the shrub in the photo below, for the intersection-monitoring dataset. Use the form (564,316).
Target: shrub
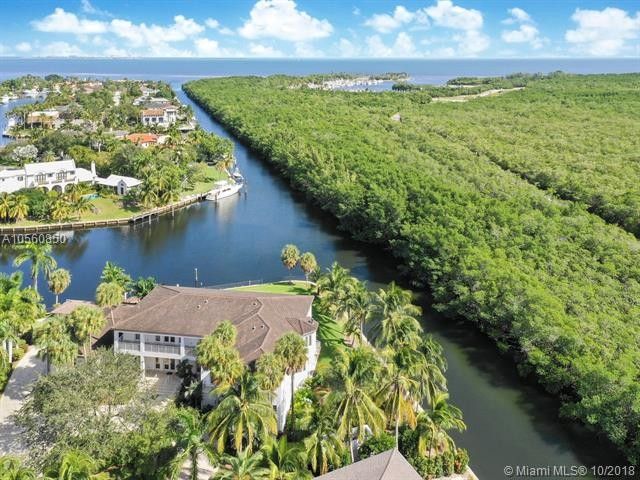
(377,444)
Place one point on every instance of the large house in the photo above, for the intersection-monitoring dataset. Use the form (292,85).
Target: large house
(165,326)
(389,465)
(160,116)
(50,175)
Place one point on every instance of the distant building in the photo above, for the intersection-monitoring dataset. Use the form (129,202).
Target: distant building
(145,140)
(43,119)
(389,465)
(165,327)
(120,184)
(49,175)
(162,117)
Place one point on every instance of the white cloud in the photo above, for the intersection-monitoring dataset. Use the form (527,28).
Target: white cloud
(471,43)
(206,47)
(356,11)
(402,47)
(258,50)
(304,50)
(446,14)
(87,7)
(23,47)
(385,23)
(517,15)
(525,34)
(116,52)
(212,23)
(603,32)
(281,19)
(346,48)
(61,49)
(65,22)
(181,29)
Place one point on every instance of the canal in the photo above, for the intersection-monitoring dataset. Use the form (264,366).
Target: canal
(510,421)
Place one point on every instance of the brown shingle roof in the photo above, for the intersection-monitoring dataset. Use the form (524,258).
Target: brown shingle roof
(68,306)
(260,318)
(389,465)
(152,112)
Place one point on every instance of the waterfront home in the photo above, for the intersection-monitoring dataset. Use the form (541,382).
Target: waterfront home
(162,116)
(165,326)
(44,119)
(120,184)
(49,175)
(145,140)
(389,465)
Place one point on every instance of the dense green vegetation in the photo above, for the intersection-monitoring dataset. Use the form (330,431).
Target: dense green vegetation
(553,284)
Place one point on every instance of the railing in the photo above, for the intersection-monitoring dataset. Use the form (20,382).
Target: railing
(159,348)
(129,345)
(191,351)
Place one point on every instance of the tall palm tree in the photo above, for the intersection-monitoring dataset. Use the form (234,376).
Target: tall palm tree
(323,446)
(359,307)
(59,280)
(190,443)
(86,321)
(334,289)
(19,208)
(244,415)
(54,340)
(217,353)
(308,264)
(290,256)
(399,393)
(76,465)
(109,295)
(285,461)
(292,349)
(244,466)
(12,468)
(434,423)
(270,372)
(5,206)
(351,381)
(39,254)
(394,319)
(112,273)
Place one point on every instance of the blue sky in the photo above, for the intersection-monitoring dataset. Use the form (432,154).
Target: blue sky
(322,28)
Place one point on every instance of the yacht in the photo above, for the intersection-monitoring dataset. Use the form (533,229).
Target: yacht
(5,99)
(223,189)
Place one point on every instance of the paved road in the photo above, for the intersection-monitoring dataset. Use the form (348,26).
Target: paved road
(28,369)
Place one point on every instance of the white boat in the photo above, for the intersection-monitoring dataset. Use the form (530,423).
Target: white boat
(5,99)
(11,122)
(223,189)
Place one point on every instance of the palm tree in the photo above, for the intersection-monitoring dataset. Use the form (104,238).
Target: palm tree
(308,264)
(358,310)
(292,349)
(290,256)
(76,465)
(59,280)
(112,273)
(190,442)
(19,208)
(53,339)
(433,424)
(39,254)
(86,321)
(323,446)
(12,468)
(244,415)
(109,295)
(334,289)
(285,461)
(5,206)
(269,372)
(351,380)
(217,353)
(242,467)
(399,393)
(394,318)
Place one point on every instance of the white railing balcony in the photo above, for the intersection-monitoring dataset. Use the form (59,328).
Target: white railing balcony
(161,348)
(128,346)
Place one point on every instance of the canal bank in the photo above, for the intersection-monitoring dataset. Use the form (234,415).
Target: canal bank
(511,422)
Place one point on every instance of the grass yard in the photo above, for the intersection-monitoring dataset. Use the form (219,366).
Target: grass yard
(289,288)
(213,175)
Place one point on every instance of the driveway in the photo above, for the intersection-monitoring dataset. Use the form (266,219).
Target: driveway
(28,369)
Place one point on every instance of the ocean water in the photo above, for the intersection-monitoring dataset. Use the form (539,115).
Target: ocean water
(422,71)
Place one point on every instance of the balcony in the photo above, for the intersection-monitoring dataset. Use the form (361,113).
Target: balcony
(161,348)
(128,346)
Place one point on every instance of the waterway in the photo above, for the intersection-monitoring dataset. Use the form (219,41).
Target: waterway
(510,421)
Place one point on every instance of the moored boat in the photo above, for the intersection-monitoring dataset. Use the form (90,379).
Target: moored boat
(223,189)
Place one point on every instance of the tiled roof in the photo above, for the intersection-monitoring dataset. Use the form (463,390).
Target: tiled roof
(389,465)
(260,318)
(142,138)
(68,306)
(153,112)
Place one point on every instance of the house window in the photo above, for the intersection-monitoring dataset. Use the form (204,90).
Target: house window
(20,179)
(157,338)
(120,336)
(137,336)
(157,364)
(166,339)
(50,175)
(173,339)
(61,176)
(41,178)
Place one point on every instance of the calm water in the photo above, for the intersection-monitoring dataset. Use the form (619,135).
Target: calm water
(510,421)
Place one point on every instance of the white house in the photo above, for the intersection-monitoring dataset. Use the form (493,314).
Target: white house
(119,183)
(161,116)
(50,175)
(164,328)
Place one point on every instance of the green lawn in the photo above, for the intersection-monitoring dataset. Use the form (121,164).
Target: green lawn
(290,288)
(213,175)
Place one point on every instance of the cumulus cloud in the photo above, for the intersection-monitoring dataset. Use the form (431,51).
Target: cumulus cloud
(471,43)
(23,47)
(385,23)
(87,7)
(403,46)
(281,19)
(206,47)
(258,50)
(61,49)
(346,48)
(526,32)
(61,21)
(212,23)
(603,32)
(445,14)
(142,34)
